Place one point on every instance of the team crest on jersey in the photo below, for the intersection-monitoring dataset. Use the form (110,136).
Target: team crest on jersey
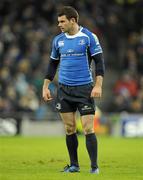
(61,43)
(81,42)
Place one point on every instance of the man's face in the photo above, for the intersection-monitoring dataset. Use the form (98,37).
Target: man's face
(65,24)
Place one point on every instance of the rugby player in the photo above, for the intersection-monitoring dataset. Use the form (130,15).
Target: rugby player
(73,51)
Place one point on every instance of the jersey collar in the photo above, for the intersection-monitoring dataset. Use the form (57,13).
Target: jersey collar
(75,35)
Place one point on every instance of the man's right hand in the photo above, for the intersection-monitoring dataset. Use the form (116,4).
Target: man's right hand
(47,94)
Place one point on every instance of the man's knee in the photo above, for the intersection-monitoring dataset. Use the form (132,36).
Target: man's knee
(88,130)
(70,129)
(87,124)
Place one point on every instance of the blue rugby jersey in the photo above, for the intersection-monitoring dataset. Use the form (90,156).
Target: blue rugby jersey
(73,52)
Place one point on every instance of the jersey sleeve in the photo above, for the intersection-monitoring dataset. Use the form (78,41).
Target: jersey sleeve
(55,50)
(94,45)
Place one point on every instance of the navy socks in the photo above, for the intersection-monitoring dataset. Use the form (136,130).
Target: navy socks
(91,145)
(72,145)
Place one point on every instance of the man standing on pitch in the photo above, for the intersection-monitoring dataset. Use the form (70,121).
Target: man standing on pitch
(73,50)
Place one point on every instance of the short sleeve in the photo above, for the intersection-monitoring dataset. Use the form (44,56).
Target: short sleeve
(94,45)
(55,50)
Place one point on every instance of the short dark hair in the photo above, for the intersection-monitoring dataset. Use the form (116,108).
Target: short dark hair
(69,12)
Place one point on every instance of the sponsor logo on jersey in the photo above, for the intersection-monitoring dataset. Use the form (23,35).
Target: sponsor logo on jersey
(70,50)
(72,54)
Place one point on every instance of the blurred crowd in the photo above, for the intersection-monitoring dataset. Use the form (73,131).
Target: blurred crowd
(26,31)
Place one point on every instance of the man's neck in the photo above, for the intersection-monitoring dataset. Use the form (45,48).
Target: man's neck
(74,30)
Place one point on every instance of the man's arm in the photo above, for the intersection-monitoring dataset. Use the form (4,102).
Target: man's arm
(51,71)
(99,72)
(52,68)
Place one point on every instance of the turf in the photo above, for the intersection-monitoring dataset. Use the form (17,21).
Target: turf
(42,158)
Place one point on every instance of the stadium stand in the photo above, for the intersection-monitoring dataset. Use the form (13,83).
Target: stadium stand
(26,30)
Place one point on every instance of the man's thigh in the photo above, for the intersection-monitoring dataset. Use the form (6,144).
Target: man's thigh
(69,121)
(87,122)
(68,118)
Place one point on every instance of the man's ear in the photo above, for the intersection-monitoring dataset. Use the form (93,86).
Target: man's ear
(72,20)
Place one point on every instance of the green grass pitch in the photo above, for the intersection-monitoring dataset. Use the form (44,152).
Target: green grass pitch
(42,158)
